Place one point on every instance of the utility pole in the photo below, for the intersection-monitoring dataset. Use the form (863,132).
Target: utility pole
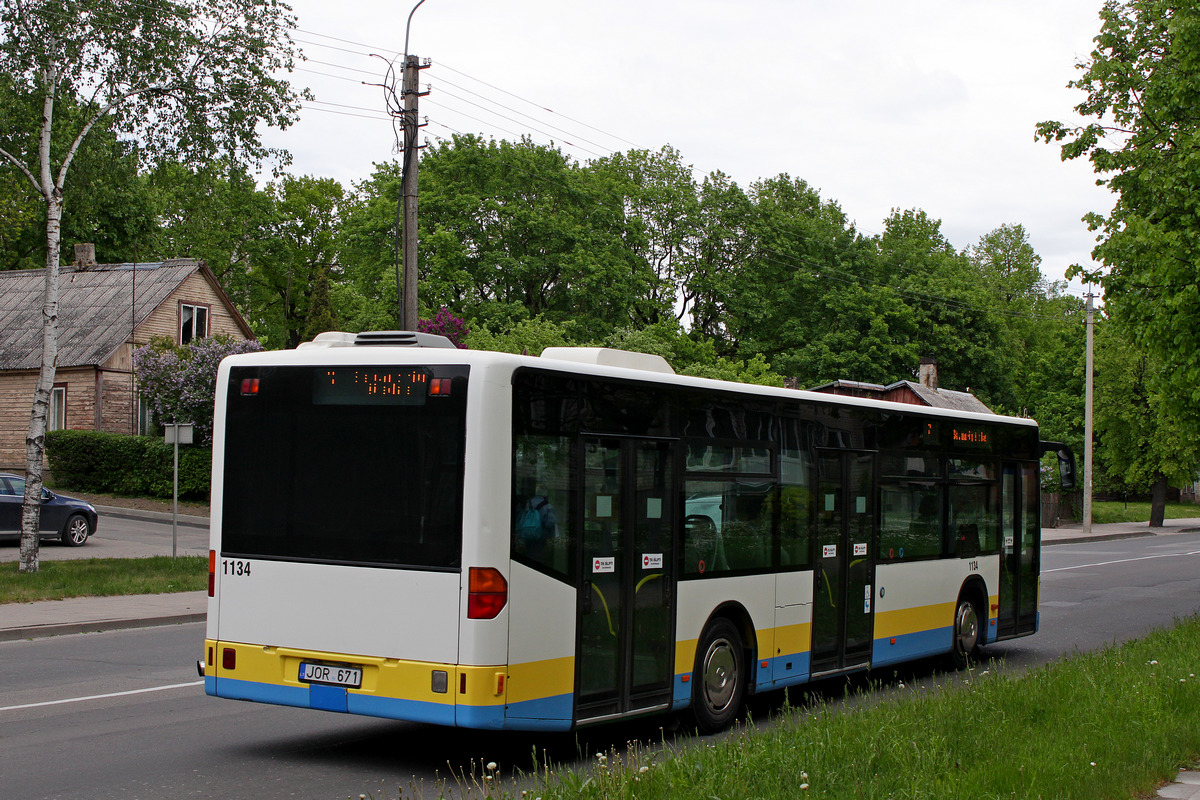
(1087,423)
(408,191)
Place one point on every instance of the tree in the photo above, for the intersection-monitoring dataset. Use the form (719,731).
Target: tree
(301,248)
(1143,444)
(179,382)
(807,297)
(519,230)
(216,213)
(191,80)
(661,221)
(1142,83)
(111,204)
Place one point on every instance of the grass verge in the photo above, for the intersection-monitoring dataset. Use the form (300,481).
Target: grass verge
(1111,724)
(98,577)
(1116,511)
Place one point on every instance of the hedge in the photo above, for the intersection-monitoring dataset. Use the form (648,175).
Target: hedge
(92,461)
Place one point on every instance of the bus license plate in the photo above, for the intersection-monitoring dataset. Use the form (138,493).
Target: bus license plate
(350,677)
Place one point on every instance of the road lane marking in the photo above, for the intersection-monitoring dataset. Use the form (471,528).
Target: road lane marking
(103,696)
(1122,561)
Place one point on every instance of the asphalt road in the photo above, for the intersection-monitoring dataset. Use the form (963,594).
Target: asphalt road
(118,537)
(122,714)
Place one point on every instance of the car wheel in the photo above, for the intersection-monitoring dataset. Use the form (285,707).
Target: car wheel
(719,681)
(76,531)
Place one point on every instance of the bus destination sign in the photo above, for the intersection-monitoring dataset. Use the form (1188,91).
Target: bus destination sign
(369,386)
(971,435)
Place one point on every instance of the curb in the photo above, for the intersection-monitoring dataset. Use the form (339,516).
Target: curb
(190,520)
(1101,537)
(96,626)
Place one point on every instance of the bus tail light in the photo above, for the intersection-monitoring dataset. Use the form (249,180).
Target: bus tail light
(487,593)
(212,572)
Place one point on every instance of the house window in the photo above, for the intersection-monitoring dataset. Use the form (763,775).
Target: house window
(58,408)
(193,322)
(146,424)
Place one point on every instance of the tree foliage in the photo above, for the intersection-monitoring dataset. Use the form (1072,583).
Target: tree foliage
(1144,444)
(1142,86)
(188,80)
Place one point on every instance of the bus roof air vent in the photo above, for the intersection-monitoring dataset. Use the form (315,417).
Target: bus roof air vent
(608,357)
(402,339)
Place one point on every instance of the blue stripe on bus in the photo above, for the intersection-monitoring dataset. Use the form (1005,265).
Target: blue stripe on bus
(912,645)
(775,676)
(788,670)
(306,697)
(682,696)
(543,711)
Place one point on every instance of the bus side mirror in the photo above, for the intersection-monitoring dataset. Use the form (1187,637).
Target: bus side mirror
(1066,462)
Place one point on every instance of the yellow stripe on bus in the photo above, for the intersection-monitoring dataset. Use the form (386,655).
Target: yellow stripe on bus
(535,680)
(913,620)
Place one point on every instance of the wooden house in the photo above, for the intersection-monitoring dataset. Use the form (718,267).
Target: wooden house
(106,311)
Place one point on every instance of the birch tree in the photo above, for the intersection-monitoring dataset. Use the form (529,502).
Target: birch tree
(191,80)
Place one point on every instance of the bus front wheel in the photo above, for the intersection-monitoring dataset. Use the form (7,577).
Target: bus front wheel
(968,633)
(719,683)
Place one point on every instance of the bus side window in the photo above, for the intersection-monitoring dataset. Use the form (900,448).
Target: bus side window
(541,506)
(795,508)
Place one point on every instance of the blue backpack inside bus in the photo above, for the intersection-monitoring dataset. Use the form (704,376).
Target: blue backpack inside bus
(529,520)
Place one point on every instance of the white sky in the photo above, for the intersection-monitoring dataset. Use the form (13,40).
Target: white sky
(879,104)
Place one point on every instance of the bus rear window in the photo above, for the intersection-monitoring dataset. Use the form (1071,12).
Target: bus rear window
(356,481)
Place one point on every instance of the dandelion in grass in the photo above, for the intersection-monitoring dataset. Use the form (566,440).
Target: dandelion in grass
(643,769)
(803,776)
(1093,763)
(492,766)
(804,787)
(1153,662)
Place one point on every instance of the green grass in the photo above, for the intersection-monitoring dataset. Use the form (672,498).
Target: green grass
(97,577)
(1112,724)
(1116,511)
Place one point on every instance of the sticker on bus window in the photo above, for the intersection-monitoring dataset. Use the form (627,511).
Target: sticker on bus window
(867,600)
(860,505)
(1008,541)
(830,502)
(653,508)
(829,551)
(652,561)
(860,549)
(603,506)
(603,565)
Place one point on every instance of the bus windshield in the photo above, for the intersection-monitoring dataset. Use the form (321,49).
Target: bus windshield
(354,474)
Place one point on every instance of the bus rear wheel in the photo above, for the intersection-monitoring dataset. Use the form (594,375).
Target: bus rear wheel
(719,683)
(968,633)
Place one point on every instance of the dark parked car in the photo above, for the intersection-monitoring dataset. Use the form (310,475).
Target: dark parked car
(63,517)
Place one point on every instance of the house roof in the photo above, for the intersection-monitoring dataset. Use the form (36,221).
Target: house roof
(944,398)
(94,309)
(934,398)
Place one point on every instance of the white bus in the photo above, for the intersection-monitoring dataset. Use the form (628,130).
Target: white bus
(407,530)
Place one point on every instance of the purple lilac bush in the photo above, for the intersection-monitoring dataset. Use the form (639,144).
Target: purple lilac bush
(445,323)
(179,381)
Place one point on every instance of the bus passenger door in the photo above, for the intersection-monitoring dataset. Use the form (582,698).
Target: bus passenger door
(1019,556)
(843,608)
(626,642)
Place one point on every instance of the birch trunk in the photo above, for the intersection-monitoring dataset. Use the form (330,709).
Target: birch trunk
(35,440)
